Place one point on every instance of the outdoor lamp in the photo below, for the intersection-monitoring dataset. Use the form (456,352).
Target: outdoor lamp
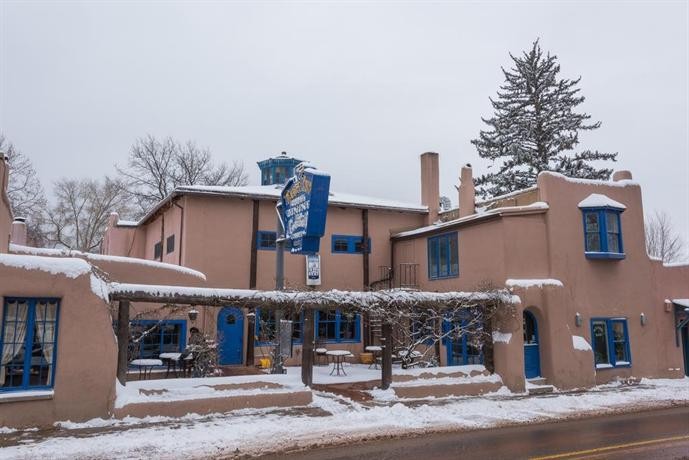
(193,313)
(578,319)
(643,319)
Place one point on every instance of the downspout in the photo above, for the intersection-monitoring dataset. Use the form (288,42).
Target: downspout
(364,231)
(181,230)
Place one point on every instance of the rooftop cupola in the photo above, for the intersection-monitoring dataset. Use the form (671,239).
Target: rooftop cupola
(277,169)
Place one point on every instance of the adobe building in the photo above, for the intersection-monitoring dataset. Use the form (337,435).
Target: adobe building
(594,306)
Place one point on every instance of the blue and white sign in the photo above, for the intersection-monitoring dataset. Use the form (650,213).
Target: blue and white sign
(304,206)
(313,270)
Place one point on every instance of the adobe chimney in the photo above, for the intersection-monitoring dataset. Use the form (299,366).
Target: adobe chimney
(18,231)
(621,175)
(467,193)
(430,185)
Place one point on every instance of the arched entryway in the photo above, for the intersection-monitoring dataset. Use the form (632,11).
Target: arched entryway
(532,356)
(230,335)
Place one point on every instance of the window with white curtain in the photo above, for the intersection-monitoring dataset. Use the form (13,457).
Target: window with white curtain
(28,343)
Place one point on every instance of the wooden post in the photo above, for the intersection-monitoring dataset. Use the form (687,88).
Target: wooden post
(122,341)
(386,378)
(251,326)
(307,347)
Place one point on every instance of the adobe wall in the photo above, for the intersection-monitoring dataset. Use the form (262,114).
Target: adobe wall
(86,361)
(608,288)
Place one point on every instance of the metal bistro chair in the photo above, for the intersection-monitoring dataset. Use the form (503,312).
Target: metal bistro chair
(319,351)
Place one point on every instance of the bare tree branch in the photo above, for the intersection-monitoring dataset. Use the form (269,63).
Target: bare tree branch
(79,216)
(662,241)
(156,167)
(25,192)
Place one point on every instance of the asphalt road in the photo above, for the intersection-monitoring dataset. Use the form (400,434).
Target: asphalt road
(658,434)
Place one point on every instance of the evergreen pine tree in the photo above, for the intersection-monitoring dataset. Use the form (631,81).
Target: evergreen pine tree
(535,127)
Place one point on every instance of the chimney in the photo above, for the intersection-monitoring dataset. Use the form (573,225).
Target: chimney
(4,172)
(467,193)
(18,232)
(621,175)
(430,185)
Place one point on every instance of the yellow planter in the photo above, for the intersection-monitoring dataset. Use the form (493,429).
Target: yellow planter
(366,358)
(264,363)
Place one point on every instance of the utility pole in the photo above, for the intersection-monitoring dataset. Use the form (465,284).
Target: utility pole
(278,367)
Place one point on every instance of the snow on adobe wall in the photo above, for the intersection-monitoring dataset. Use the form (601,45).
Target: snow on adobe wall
(575,180)
(580,343)
(502,337)
(527,283)
(71,268)
(19,249)
(596,200)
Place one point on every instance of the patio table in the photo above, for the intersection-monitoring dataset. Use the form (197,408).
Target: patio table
(375,349)
(338,358)
(171,359)
(146,365)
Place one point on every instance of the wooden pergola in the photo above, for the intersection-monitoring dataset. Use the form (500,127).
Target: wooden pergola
(308,301)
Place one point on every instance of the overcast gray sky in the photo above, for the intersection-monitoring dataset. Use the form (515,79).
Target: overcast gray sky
(360,89)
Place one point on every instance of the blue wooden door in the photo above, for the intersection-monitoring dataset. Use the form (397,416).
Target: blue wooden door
(230,335)
(532,357)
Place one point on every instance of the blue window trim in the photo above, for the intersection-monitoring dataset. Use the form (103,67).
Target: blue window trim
(352,241)
(611,343)
(30,330)
(338,317)
(257,330)
(447,341)
(182,331)
(259,240)
(434,243)
(261,247)
(604,252)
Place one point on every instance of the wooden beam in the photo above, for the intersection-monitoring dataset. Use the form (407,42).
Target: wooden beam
(386,377)
(254,246)
(122,341)
(307,348)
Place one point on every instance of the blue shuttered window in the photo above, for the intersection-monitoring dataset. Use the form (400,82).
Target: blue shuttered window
(349,244)
(610,342)
(443,256)
(603,234)
(338,326)
(28,344)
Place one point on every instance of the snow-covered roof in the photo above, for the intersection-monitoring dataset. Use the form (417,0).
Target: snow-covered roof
(538,206)
(19,249)
(272,192)
(506,196)
(71,268)
(576,180)
(597,200)
(681,302)
(355,299)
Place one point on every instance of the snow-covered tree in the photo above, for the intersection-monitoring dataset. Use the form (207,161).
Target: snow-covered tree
(535,127)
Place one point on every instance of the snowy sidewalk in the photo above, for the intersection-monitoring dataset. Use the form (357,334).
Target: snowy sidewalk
(332,418)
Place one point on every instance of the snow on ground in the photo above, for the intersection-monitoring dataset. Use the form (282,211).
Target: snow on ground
(167,390)
(355,373)
(329,419)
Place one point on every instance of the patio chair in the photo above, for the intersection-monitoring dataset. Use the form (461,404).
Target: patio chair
(319,351)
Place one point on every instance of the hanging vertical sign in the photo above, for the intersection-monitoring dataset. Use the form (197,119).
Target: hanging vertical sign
(313,270)
(303,207)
